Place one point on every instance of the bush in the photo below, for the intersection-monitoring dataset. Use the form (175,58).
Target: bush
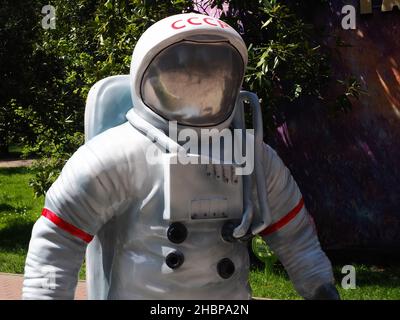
(262,251)
(94,39)
(54,157)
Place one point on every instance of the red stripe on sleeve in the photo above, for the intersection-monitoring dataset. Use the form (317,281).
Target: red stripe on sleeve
(64,225)
(285,220)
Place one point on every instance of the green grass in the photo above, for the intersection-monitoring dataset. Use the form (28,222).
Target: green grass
(372,283)
(274,285)
(19,210)
(15,149)
(12,261)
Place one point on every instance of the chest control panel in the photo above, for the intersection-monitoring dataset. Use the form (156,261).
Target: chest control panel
(191,194)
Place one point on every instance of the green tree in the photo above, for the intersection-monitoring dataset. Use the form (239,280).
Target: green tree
(94,39)
(18,35)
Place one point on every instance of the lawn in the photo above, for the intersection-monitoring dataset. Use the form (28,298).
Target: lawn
(19,210)
(372,283)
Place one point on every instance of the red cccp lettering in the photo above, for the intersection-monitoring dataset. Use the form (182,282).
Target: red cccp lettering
(195,21)
(190,21)
(176,27)
(207,20)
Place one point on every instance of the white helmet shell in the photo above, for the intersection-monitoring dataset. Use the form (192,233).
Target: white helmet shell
(169,31)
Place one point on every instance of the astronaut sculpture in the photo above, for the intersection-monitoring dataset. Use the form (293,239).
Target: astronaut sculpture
(159,228)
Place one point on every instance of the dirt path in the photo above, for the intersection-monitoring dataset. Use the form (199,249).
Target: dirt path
(11,286)
(15,163)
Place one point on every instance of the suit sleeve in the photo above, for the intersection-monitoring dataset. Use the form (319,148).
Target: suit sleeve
(292,234)
(79,202)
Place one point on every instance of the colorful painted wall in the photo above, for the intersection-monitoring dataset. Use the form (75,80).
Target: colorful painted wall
(348,166)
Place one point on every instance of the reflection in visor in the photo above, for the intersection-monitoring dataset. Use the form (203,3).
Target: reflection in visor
(194,83)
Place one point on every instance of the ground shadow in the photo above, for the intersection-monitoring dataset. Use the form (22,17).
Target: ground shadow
(6,207)
(17,170)
(16,235)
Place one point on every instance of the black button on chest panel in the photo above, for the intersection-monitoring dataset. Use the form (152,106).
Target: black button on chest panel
(227,230)
(174,259)
(177,232)
(225,268)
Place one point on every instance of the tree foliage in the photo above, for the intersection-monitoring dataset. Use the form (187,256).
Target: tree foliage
(18,34)
(50,77)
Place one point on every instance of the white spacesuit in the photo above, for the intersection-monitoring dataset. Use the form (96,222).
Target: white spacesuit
(159,229)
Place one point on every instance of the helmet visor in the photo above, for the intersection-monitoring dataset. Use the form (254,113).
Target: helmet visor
(194,83)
